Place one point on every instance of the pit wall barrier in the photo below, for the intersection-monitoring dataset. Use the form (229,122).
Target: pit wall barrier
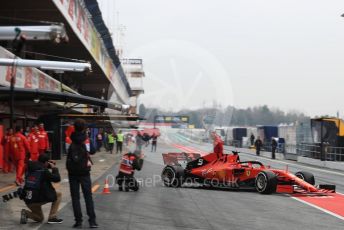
(300,159)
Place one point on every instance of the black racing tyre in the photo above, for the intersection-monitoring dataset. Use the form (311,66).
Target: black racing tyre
(172,176)
(306,176)
(266,182)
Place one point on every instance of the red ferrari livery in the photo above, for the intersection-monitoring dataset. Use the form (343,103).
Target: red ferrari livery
(229,171)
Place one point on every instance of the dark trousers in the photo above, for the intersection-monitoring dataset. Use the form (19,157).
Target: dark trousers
(85,182)
(258,151)
(273,153)
(119,146)
(111,147)
(127,180)
(154,146)
(99,145)
(36,212)
(106,145)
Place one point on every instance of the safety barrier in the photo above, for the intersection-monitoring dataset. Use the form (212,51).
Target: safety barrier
(330,153)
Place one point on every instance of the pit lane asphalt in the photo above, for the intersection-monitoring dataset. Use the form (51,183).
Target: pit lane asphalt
(157,207)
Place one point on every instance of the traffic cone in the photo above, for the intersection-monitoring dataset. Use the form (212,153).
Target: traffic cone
(106,189)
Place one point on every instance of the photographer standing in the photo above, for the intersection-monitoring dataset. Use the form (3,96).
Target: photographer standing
(79,167)
(38,191)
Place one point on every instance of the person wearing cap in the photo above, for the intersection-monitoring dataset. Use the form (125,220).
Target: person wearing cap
(78,164)
(38,191)
(43,139)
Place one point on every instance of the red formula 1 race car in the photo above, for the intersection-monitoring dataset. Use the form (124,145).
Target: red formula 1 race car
(229,171)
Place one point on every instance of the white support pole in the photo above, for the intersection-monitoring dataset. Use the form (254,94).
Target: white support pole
(47,65)
(52,32)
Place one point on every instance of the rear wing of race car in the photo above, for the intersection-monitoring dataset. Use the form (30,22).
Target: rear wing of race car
(179,158)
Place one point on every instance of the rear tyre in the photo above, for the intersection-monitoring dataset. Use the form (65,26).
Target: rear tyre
(266,182)
(306,176)
(172,176)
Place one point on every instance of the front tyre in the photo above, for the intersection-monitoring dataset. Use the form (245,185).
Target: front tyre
(172,176)
(266,182)
(306,176)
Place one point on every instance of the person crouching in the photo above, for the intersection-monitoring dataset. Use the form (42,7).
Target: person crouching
(38,191)
(125,175)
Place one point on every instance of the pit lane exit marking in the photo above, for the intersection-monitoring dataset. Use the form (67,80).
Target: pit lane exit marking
(317,207)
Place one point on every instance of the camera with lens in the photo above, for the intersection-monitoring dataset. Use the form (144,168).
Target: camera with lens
(16,194)
(51,163)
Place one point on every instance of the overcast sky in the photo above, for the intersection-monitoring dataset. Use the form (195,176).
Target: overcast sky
(284,53)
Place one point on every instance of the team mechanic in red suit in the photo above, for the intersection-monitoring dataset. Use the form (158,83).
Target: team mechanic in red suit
(43,139)
(218,145)
(8,155)
(19,147)
(33,141)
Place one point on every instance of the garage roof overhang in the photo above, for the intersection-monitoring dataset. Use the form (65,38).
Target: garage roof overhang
(21,94)
(101,117)
(95,84)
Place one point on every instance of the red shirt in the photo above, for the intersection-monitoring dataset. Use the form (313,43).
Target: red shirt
(6,143)
(218,146)
(19,145)
(43,140)
(68,133)
(33,141)
(127,164)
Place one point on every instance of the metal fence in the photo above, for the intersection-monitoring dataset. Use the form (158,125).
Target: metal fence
(329,153)
(335,154)
(310,150)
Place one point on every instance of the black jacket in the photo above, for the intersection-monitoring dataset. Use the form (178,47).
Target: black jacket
(78,137)
(274,144)
(258,144)
(46,192)
(81,167)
